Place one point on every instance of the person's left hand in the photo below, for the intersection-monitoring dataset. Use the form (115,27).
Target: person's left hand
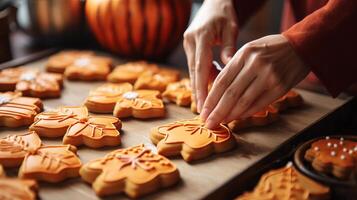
(259,73)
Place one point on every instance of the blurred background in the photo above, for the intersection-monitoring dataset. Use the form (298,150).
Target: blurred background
(32,25)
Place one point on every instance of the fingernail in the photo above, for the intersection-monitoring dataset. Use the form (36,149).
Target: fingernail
(204,115)
(199,105)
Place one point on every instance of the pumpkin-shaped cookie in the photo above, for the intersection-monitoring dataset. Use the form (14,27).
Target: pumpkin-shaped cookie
(51,164)
(104,98)
(179,92)
(157,80)
(18,111)
(130,72)
(191,139)
(140,104)
(134,170)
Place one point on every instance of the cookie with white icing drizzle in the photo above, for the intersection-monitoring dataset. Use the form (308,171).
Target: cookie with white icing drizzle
(336,156)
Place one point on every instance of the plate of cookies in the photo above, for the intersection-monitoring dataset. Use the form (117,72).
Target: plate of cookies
(330,160)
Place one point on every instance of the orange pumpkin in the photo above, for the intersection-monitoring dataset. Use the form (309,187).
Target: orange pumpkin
(138,28)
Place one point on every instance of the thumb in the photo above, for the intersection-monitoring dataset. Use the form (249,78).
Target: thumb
(229,39)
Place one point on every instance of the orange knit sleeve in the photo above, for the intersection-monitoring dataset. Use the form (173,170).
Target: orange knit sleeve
(326,41)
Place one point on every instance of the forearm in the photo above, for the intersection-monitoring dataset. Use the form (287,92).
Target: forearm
(325,41)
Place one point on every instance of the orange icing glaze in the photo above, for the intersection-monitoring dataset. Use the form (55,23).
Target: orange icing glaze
(131,71)
(137,164)
(61,118)
(179,92)
(61,60)
(286,183)
(42,82)
(11,75)
(157,80)
(94,127)
(18,189)
(14,106)
(193,133)
(89,65)
(142,99)
(50,160)
(109,92)
(345,152)
(17,146)
(290,99)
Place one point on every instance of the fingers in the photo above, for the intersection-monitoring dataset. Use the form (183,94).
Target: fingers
(264,100)
(221,83)
(230,97)
(229,40)
(190,50)
(246,101)
(203,67)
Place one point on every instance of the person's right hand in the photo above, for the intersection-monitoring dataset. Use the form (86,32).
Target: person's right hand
(215,24)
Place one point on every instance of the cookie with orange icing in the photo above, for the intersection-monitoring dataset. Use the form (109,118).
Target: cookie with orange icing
(60,61)
(9,78)
(157,80)
(39,84)
(51,164)
(94,132)
(139,104)
(291,99)
(16,110)
(31,82)
(135,171)
(270,114)
(18,189)
(286,183)
(130,72)
(104,98)
(335,156)
(191,139)
(78,127)
(262,118)
(89,68)
(179,92)
(13,148)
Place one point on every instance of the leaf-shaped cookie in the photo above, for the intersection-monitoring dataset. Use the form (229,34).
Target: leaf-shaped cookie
(139,104)
(55,123)
(179,92)
(192,139)
(18,111)
(60,61)
(95,132)
(13,148)
(39,84)
(262,118)
(286,183)
(157,80)
(18,189)
(89,68)
(51,163)
(103,98)
(134,170)
(131,71)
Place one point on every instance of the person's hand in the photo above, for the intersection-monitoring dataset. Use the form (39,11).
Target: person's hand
(214,24)
(259,73)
